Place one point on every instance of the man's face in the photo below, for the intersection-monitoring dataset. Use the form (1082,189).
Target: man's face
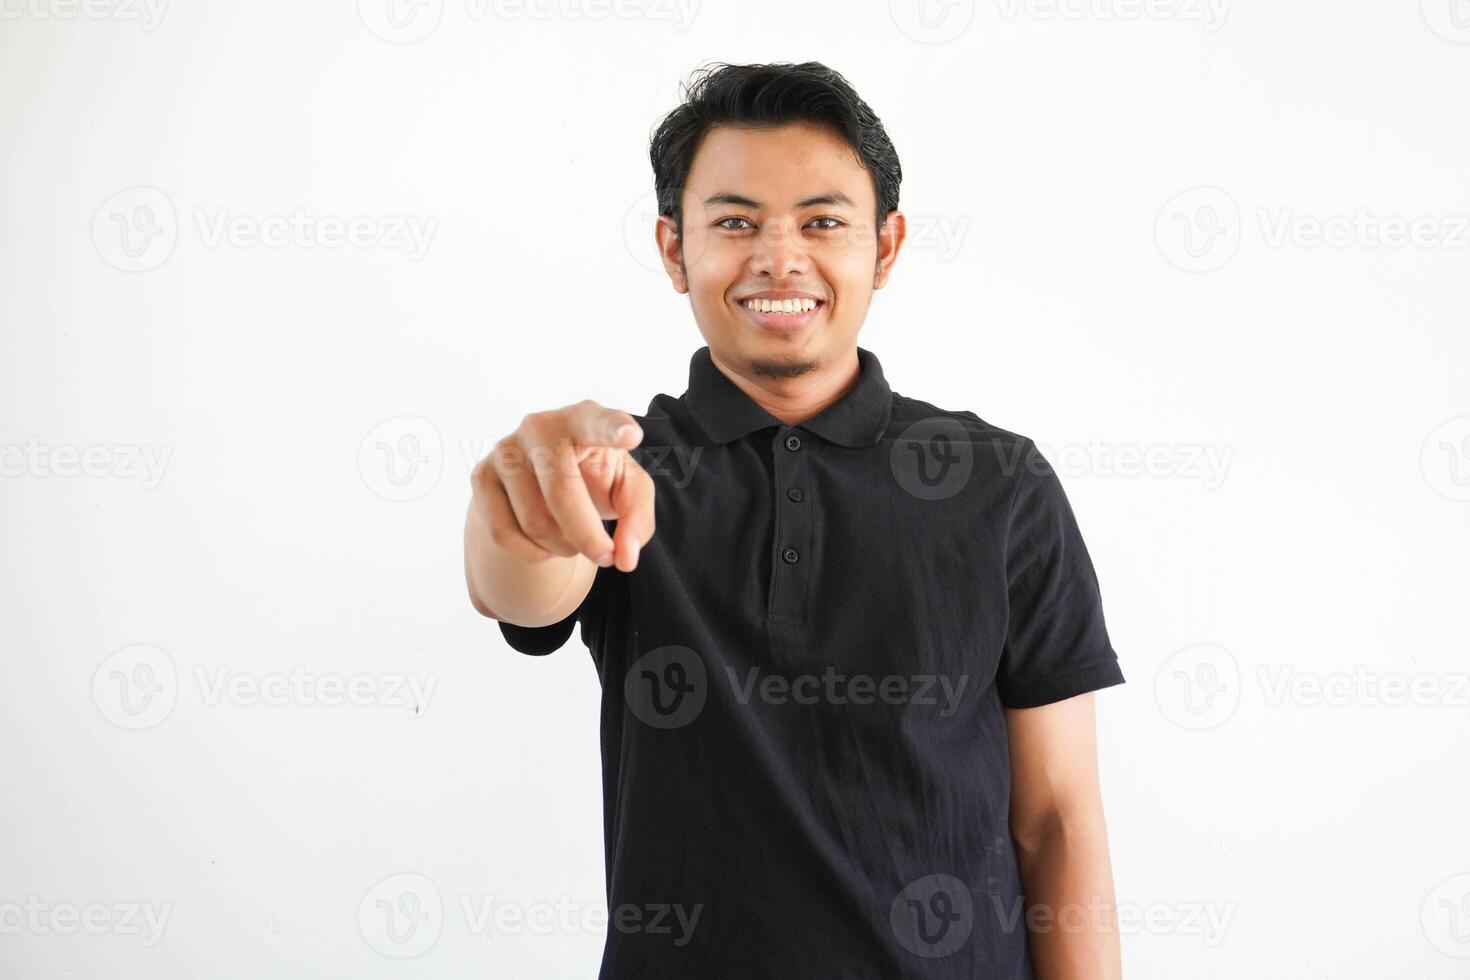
(787,210)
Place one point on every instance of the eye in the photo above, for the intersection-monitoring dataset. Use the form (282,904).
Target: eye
(836,223)
(722,223)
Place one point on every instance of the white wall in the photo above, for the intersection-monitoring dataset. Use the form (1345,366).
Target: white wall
(1303,520)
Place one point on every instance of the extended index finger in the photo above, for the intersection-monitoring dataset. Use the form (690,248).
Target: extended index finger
(632,497)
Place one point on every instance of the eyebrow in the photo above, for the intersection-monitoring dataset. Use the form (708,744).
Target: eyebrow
(741,201)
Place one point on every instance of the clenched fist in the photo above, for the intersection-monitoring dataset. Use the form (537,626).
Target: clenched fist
(546,488)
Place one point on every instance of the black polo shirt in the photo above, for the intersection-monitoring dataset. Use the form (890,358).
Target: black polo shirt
(805,771)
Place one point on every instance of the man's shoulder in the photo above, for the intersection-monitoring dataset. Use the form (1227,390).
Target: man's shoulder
(913,418)
(914,414)
(664,410)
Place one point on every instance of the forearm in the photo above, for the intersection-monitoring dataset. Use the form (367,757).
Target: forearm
(1071,912)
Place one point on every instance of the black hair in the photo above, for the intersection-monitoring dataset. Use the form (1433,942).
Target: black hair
(769,95)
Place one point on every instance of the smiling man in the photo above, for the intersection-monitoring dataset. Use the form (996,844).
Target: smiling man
(847,720)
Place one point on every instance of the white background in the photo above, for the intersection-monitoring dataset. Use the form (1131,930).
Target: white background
(1056,283)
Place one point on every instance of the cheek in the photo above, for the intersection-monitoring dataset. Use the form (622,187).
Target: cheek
(850,275)
(713,275)
(705,255)
(709,295)
(856,263)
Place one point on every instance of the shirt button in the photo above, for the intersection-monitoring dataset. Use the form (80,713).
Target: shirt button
(794,494)
(793,443)
(789,556)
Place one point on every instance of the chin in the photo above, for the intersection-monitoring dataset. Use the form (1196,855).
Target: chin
(782,368)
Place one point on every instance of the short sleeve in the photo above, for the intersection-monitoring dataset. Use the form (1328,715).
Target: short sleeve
(1057,644)
(538,641)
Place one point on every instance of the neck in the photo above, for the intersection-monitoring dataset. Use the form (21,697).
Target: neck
(794,400)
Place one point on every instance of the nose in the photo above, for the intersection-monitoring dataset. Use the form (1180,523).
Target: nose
(778,253)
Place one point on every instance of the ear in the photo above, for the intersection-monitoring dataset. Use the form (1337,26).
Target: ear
(671,251)
(890,240)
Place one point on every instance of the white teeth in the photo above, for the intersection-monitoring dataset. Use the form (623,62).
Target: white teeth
(780,305)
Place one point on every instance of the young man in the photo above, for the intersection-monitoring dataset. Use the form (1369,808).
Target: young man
(847,727)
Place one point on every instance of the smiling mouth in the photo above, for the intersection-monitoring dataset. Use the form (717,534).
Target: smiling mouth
(782,317)
(782,306)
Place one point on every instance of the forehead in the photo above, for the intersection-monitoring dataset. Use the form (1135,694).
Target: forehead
(778,165)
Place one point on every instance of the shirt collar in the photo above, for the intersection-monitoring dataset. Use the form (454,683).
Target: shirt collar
(725,412)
